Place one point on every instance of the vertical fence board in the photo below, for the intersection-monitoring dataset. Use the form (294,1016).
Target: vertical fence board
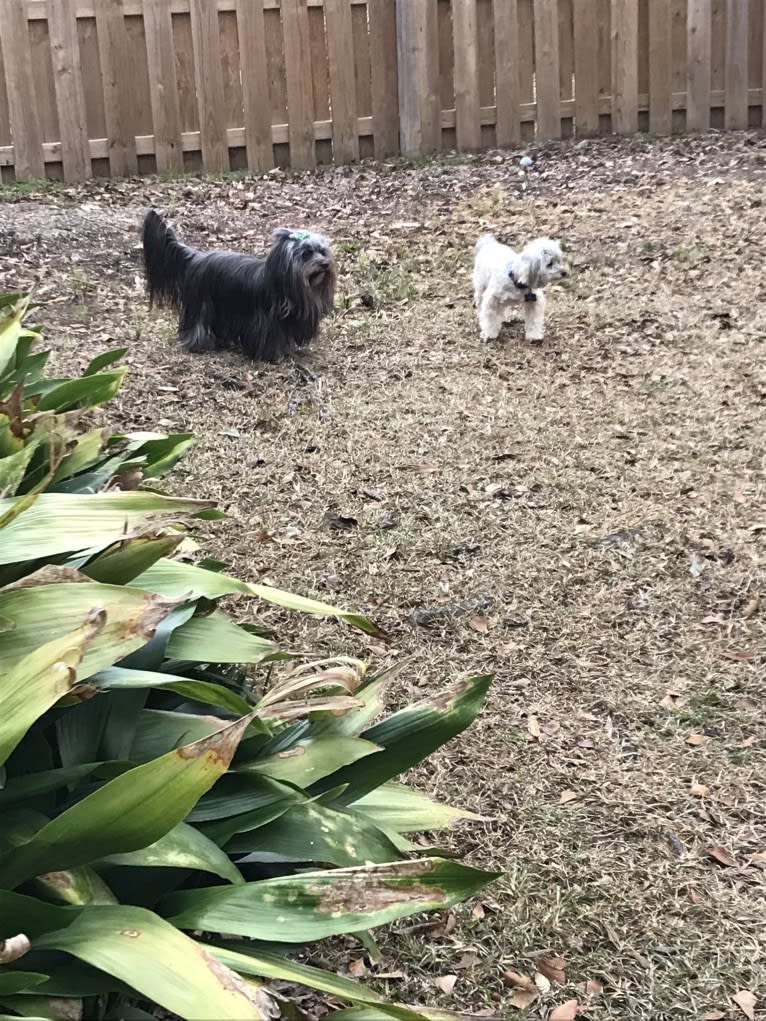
(430,94)
(467,110)
(362,69)
(507,122)
(255,84)
(585,18)
(735,114)
(70,95)
(411,61)
(184,72)
(295,29)
(384,77)
(566,49)
(755,44)
(20,88)
(209,79)
(92,83)
(340,48)
(624,66)
(115,72)
(163,88)
(5,118)
(547,69)
(660,67)
(698,27)
(763,72)
(485,38)
(231,67)
(526,22)
(604,33)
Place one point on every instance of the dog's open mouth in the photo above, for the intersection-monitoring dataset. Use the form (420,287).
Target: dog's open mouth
(316,278)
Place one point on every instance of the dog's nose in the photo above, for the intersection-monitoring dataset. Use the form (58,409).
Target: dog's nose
(565,271)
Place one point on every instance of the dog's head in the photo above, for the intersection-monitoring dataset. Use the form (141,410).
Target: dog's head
(307,260)
(540,263)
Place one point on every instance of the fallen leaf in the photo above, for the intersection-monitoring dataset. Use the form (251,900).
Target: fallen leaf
(699,790)
(522,998)
(446,983)
(357,968)
(592,987)
(478,911)
(533,726)
(748,742)
(739,655)
(566,1012)
(746,1002)
(542,983)
(669,701)
(738,497)
(695,896)
(752,607)
(512,978)
(554,969)
(480,624)
(389,974)
(759,857)
(722,856)
(696,739)
(714,1015)
(468,960)
(567,796)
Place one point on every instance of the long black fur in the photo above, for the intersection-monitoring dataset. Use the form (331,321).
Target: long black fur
(264,305)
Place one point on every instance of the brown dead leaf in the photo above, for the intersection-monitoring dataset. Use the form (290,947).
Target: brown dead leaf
(722,856)
(517,981)
(468,960)
(752,607)
(566,1012)
(523,998)
(748,742)
(542,982)
(479,623)
(478,911)
(696,739)
(567,796)
(695,895)
(759,858)
(357,968)
(446,983)
(739,655)
(714,1015)
(699,790)
(533,726)
(746,1002)
(592,987)
(451,923)
(738,497)
(554,969)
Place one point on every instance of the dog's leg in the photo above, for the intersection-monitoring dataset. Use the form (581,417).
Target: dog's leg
(490,316)
(534,318)
(194,333)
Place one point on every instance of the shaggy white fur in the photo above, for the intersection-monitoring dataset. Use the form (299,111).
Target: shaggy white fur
(502,277)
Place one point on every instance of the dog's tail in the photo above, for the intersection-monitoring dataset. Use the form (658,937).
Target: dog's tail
(484,240)
(165,261)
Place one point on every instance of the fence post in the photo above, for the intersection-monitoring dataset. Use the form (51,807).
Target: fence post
(419,107)
(22,106)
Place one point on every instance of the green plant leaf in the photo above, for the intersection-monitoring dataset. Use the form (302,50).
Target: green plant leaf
(105,359)
(200,691)
(313,905)
(307,762)
(396,807)
(409,736)
(44,612)
(86,392)
(184,847)
(310,832)
(38,680)
(31,785)
(80,885)
(128,813)
(19,981)
(10,333)
(161,455)
(216,639)
(123,564)
(147,953)
(67,522)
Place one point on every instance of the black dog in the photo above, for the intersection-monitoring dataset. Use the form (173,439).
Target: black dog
(266,306)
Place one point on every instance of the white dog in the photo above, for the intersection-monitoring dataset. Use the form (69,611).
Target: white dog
(502,276)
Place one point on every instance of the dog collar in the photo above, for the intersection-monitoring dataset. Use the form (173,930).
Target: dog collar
(529,294)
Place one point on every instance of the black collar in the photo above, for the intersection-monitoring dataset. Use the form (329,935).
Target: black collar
(529,294)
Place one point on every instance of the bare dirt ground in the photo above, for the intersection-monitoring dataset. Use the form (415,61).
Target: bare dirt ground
(586,520)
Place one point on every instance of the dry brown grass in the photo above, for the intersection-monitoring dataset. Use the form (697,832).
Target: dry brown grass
(588,518)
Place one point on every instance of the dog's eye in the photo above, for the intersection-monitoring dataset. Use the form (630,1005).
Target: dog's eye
(551,262)
(306,254)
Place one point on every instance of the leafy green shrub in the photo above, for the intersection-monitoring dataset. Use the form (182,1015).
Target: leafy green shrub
(167,775)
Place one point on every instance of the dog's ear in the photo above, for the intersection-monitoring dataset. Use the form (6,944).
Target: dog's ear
(529,270)
(280,235)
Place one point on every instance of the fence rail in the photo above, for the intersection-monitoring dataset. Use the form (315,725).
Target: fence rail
(100,87)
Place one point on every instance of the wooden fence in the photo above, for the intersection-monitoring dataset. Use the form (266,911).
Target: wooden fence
(124,86)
